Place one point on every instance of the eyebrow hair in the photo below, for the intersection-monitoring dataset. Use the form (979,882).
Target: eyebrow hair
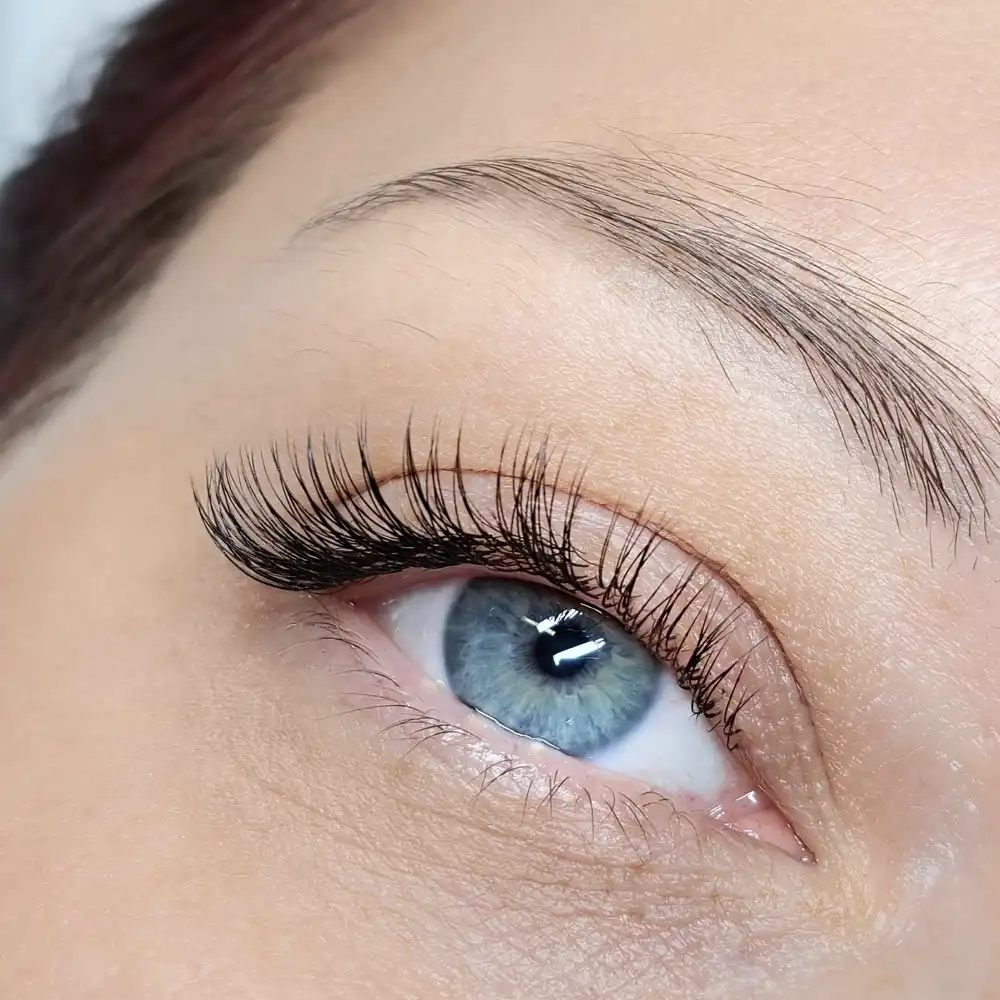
(916,414)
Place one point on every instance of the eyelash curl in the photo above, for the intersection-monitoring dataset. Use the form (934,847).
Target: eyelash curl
(317,519)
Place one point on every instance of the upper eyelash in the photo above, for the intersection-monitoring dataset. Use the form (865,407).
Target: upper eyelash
(310,520)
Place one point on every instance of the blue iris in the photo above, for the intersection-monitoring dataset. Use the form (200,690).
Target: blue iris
(545,666)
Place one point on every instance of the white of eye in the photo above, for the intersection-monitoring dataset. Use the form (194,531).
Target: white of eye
(671,748)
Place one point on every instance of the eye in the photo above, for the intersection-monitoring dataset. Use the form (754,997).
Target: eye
(551,628)
(551,669)
(548,669)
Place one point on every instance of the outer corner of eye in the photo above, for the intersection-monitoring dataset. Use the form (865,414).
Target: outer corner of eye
(526,666)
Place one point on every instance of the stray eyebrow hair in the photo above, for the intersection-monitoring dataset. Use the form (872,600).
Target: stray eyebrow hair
(916,414)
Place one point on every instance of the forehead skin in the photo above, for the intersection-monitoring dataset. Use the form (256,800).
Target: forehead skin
(178,814)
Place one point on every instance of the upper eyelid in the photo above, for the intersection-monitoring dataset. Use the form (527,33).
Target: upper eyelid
(310,487)
(286,483)
(314,520)
(916,414)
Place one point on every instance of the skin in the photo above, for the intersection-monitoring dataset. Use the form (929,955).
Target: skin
(185,809)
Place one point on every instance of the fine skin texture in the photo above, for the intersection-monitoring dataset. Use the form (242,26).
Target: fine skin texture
(185,809)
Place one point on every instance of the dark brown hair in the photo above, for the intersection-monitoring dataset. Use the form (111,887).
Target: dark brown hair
(189,92)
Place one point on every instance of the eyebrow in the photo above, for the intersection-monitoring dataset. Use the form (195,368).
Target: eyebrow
(913,412)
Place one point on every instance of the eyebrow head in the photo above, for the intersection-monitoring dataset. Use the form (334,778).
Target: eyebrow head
(915,414)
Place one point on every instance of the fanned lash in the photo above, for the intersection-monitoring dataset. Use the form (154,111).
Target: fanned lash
(319,519)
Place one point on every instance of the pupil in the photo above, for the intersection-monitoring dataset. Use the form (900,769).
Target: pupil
(565,651)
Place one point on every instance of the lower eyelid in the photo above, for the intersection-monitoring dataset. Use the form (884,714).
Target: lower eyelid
(415,710)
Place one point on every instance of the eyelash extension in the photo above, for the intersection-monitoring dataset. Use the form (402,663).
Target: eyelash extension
(312,520)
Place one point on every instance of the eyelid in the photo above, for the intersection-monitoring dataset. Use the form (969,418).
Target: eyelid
(324,519)
(417,713)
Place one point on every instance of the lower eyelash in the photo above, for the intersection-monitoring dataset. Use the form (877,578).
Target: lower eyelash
(638,819)
(318,520)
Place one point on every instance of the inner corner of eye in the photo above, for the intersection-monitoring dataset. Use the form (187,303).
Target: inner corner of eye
(523,665)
